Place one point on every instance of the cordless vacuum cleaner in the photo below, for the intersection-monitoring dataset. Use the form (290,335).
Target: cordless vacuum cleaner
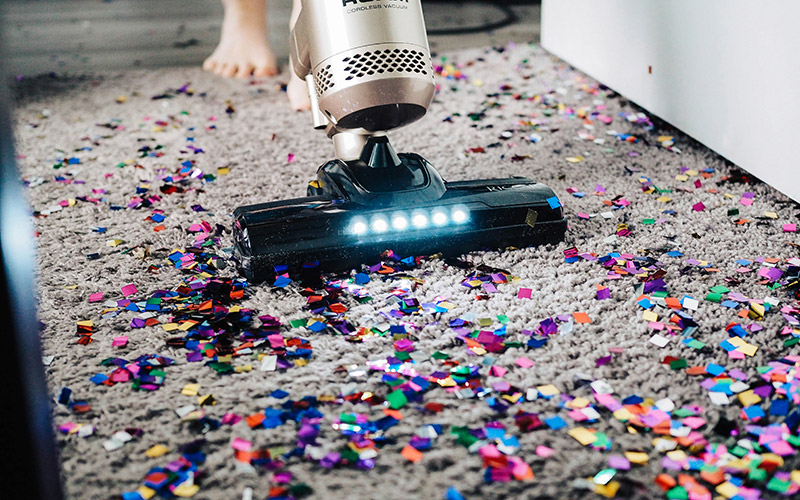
(368,69)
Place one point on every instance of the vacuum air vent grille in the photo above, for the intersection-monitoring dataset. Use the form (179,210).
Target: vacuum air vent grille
(377,62)
(323,80)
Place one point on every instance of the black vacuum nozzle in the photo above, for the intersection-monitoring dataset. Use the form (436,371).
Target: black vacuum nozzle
(378,153)
(356,210)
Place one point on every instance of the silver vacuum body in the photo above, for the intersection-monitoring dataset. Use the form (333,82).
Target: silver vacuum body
(367,63)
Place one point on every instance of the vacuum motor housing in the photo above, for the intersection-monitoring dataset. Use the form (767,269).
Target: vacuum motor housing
(369,59)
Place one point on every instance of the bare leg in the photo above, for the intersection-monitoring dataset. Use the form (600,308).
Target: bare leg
(243,49)
(296,90)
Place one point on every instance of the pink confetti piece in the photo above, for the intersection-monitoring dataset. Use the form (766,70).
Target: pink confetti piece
(789,228)
(698,207)
(524,362)
(241,444)
(524,293)
(120,341)
(497,371)
(290,158)
(544,451)
(96,297)
(128,290)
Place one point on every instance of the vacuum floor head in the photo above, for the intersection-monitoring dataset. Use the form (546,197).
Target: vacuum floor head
(386,201)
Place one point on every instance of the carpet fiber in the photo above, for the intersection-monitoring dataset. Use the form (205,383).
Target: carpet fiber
(122,171)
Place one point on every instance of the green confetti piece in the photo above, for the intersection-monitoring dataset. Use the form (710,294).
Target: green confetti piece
(649,222)
(464,438)
(350,455)
(776,484)
(440,355)
(738,451)
(683,412)
(347,418)
(678,364)
(714,297)
(757,474)
(677,493)
(659,294)
(733,211)
(502,318)
(790,342)
(696,344)
(719,289)
(300,490)
(402,355)
(221,367)
(396,399)
(298,323)
(394,382)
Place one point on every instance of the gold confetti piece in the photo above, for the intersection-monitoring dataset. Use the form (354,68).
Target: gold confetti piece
(145,492)
(185,490)
(608,490)
(243,369)
(190,389)
(121,99)
(575,159)
(223,170)
(548,390)
(70,287)
(727,489)
(682,177)
(749,398)
(206,400)
(677,455)
(86,322)
(582,435)
(637,457)
(187,324)
(650,316)
(771,215)
(168,327)
(623,414)
(664,199)
(156,451)
(115,242)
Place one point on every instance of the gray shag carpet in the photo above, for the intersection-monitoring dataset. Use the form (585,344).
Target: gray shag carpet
(105,157)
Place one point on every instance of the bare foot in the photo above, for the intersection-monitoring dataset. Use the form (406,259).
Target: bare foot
(243,50)
(297,92)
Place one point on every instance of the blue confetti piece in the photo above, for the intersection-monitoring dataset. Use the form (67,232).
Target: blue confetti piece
(63,398)
(779,407)
(674,253)
(361,279)
(281,282)
(317,326)
(553,202)
(555,423)
(451,494)
(754,412)
(495,433)
(278,394)
(99,378)
(714,369)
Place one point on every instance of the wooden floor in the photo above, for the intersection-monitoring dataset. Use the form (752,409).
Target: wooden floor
(80,36)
